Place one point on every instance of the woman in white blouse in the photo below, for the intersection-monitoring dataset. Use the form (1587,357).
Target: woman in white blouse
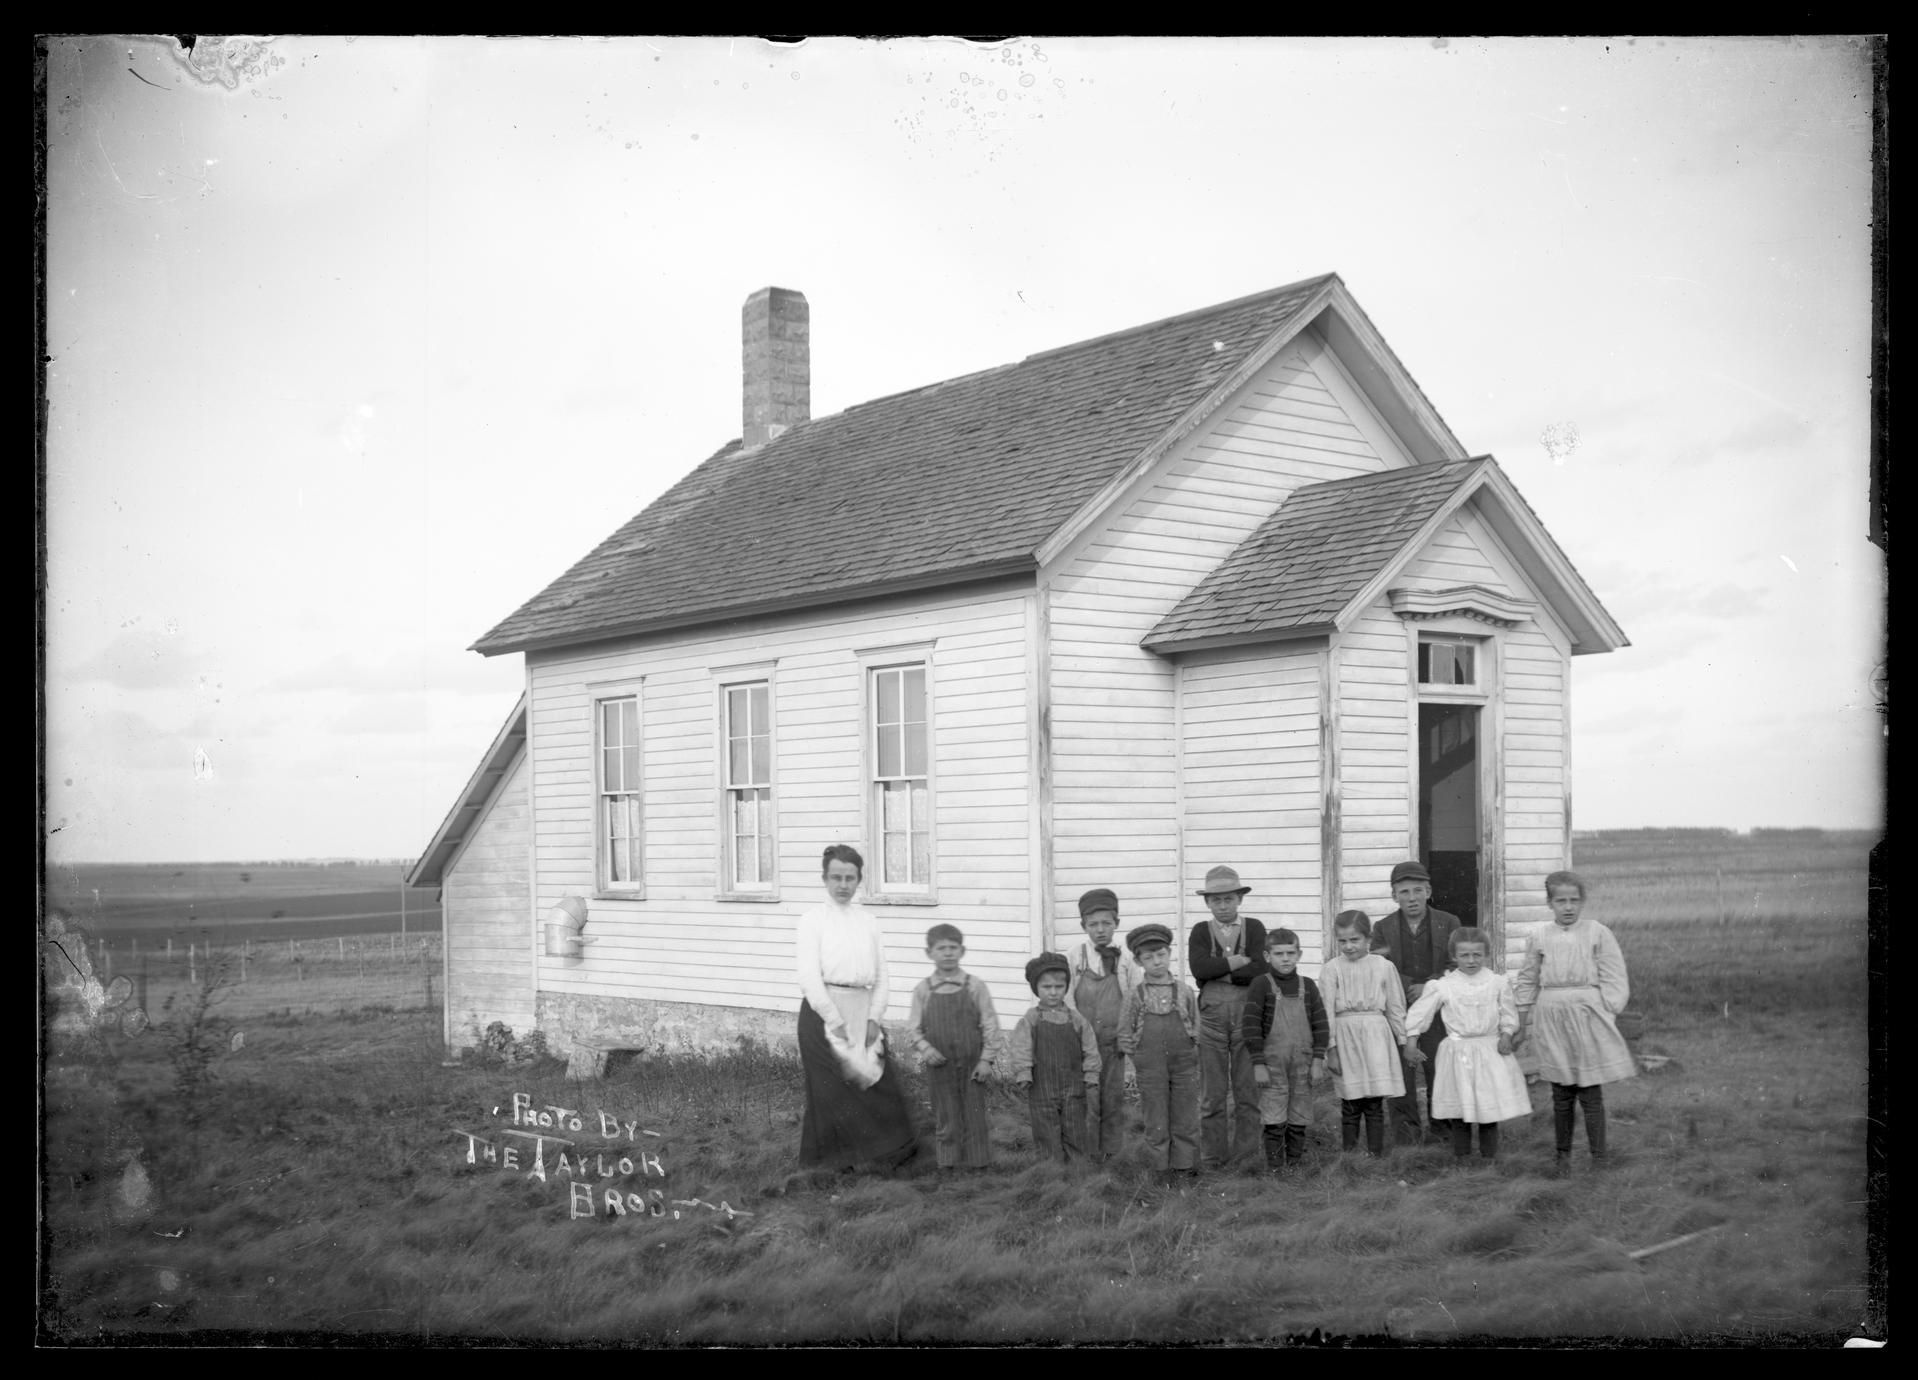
(855,1110)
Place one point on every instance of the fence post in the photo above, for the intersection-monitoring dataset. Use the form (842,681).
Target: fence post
(192,971)
(143,985)
(169,948)
(342,948)
(106,959)
(242,963)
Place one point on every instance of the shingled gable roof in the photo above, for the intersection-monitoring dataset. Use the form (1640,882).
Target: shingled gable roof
(1324,556)
(962,480)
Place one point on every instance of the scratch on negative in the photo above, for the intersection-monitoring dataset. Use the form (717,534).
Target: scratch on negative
(141,196)
(154,84)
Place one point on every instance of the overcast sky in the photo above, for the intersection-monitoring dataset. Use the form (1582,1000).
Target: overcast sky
(356,345)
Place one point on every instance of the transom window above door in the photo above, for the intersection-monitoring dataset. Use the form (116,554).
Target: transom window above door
(1446,662)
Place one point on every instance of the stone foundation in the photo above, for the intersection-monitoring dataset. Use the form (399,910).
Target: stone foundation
(586,1029)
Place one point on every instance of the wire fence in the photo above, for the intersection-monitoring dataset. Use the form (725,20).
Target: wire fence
(299,976)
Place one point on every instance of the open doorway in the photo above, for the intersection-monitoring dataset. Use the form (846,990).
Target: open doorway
(1449,805)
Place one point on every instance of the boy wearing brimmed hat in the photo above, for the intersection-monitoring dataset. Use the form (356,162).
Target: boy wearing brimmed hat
(1053,1054)
(1226,954)
(1417,939)
(1159,1030)
(1102,975)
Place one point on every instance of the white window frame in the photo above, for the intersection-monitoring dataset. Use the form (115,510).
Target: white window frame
(1482,650)
(874,664)
(728,682)
(605,884)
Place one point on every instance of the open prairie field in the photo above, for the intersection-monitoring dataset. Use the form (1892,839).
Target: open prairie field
(332,1180)
(235,901)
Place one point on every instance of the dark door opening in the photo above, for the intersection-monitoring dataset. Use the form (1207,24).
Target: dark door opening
(1449,806)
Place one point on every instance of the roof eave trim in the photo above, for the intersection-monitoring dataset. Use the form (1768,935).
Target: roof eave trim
(1179,643)
(493,767)
(972,574)
(1194,417)
(1378,356)
(1593,629)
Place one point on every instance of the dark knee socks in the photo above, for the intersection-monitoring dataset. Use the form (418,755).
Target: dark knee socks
(1372,1111)
(1487,1138)
(1592,1100)
(1294,1144)
(1567,1098)
(1274,1146)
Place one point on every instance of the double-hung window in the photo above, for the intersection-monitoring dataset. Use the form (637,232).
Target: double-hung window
(899,762)
(750,851)
(617,846)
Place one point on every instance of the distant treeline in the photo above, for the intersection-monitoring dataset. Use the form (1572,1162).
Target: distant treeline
(1756,833)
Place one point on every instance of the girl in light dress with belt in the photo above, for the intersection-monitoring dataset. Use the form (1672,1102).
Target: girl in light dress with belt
(1478,1083)
(1569,991)
(1366,1000)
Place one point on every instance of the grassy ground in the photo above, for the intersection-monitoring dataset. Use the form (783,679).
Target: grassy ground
(315,1186)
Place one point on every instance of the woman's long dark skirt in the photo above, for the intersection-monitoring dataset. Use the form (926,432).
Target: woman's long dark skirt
(843,1125)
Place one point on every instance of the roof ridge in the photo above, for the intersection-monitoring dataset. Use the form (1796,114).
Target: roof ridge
(1110,336)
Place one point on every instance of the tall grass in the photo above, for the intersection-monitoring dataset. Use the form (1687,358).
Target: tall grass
(324,1195)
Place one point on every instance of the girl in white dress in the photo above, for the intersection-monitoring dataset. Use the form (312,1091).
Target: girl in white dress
(1570,991)
(1366,1001)
(1478,1083)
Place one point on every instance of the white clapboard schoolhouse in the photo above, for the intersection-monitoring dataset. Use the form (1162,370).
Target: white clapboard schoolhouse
(1218,589)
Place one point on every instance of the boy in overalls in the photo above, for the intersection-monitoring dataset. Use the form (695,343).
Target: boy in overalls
(1225,954)
(1053,1054)
(1159,1029)
(1101,976)
(955,1031)
(1287,1032)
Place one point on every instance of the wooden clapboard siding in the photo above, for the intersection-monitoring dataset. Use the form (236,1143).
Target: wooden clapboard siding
(1374,705)
(487,901)
(1536,780)
(1133,758)
(1454,557)
(1250,759)
(682,940)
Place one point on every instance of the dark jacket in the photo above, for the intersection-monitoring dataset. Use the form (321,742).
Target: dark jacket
(1389,934)
(1260,1002)
(1209,963)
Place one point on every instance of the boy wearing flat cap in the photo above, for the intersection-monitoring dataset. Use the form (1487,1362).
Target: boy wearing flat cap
(1054,1055)
(1159,1029)
(1101,977)
(1226,954)
(1417,939)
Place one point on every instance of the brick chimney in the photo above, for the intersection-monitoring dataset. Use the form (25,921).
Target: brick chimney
(778,364)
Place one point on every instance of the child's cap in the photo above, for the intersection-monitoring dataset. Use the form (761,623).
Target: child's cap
(1410,872)
(1143,935)
(1099,898)
(943,932)
(1046,963)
